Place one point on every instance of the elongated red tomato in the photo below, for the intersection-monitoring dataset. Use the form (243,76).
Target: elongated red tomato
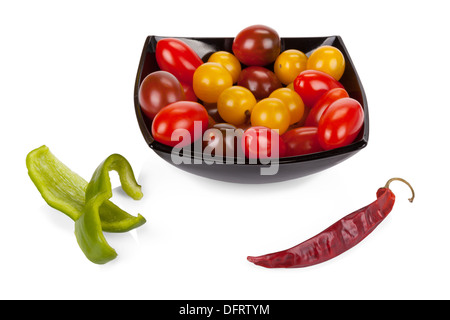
(302,140)
(322,104)
(189,116)
(340,123)
(176,57)
(259,142)
(312,84)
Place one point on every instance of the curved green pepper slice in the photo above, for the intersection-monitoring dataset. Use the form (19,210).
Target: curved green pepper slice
(88,227)
(86,203)
(65,191)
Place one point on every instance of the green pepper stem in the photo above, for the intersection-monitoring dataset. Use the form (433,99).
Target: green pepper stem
(404,181)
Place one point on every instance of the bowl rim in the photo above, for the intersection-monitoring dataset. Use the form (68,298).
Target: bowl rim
(159,147)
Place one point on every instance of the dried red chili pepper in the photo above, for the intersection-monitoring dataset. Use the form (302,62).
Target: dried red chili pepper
(336,239)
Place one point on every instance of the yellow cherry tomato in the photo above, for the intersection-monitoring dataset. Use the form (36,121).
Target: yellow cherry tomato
(235,105)
(229,61)
(289,64)
(292,101)
(210,79)
(327,59)
(290,86)
(271,113)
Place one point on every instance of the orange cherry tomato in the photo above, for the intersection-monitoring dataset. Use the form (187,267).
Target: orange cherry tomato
(289,64)
(271,113)
(229,61)
(210,79)
(235,105)
(327,59)
(292,101)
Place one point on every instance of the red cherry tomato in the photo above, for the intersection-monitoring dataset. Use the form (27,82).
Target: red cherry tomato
(260,81)
(176,57)
(312,84)
(257,45)
(262,143)
(187,115)
(322,104)
(157,90)
(303,140)
(340,123)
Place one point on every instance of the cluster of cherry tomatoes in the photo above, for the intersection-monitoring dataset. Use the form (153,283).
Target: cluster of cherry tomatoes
(298,101)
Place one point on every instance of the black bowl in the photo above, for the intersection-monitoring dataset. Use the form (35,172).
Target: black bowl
(250,172)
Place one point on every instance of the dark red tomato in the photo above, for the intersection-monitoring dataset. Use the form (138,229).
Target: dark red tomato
(214,114)
(222,139)
(157,90)
(323,103)
(260,81)
(257,45)
(188,115)
(176,57)
(189,92)
(312,84)
(303,140)
(340,123)
(262,143)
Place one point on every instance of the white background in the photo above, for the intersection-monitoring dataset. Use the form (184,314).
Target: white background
(67,72)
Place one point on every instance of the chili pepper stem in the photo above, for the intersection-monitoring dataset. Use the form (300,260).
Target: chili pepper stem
(404,181)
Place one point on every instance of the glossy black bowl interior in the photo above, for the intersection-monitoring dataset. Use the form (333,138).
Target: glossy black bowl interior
(287,168)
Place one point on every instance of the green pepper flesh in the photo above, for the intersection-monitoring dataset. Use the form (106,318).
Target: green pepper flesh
(65,191)
(88,228)
(86,203)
